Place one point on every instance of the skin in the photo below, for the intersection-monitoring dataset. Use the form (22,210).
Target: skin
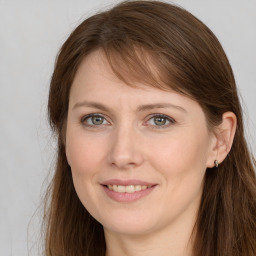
(130,145)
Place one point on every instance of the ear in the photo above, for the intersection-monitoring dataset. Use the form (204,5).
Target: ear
(223,136)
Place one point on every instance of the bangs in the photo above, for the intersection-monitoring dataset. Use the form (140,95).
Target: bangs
(135,65)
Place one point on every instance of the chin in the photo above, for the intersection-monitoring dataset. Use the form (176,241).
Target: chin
(133,224)
(128,229)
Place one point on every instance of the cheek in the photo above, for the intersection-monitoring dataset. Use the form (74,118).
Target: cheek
(84,158)
(82,152)
(182,158)
(181,150)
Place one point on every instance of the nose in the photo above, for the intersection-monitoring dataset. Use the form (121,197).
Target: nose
(126,151)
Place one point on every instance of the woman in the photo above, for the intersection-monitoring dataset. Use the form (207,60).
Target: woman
(152,158)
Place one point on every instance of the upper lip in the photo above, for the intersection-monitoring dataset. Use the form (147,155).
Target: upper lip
(127,182)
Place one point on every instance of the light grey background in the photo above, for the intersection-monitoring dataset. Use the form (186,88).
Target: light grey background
(31,32)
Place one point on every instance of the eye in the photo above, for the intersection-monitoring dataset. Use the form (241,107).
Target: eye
(159,121)
(94,120)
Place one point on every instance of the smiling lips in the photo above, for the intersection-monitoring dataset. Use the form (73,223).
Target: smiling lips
(127,191)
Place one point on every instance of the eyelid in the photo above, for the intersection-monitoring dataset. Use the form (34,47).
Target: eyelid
(170,119)
(84,118)
(154,115)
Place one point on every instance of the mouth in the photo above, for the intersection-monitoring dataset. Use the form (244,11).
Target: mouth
(127,191)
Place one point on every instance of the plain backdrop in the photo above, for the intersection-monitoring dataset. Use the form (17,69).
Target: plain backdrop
(31,33)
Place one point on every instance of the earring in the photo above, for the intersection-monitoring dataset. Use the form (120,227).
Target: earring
(216,163)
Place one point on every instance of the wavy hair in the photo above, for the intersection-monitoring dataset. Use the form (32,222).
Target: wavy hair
(188,58)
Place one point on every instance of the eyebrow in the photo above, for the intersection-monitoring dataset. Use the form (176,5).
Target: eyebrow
(140,108)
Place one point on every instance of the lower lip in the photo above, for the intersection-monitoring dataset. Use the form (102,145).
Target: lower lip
(127,197)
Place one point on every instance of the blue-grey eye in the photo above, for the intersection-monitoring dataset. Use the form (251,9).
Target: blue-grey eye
(97,120)
(160,120)
(94,120)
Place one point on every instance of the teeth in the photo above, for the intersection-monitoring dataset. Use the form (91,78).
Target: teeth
(121,189)
(127,189)
(138,188)
(130,189)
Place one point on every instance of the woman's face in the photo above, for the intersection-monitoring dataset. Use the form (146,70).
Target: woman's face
(138,155)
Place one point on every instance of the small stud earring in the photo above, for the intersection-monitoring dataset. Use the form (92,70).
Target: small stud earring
(216,163)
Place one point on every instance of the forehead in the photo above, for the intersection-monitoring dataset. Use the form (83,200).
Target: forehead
(96,82)
(133,65)
(95,75)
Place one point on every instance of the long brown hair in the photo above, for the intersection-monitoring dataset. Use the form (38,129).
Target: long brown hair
(187,58)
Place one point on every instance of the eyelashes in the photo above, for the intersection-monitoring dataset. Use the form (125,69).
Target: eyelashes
(155,121)
(160,121)
(94,120)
